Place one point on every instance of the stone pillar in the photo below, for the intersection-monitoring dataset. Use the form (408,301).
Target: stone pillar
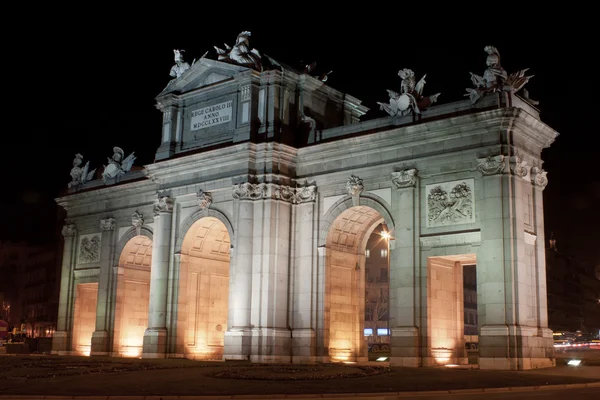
(303,272)
(238,335)
(101,336)
(62,336)
(509,332)
(155,337)
(405,280)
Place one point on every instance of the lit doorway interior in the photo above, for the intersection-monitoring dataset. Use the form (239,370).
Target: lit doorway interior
(84,317)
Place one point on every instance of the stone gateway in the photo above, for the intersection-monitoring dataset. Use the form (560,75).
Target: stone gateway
(245,239)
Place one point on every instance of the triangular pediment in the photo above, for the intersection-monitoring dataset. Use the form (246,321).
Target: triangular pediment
(204,72)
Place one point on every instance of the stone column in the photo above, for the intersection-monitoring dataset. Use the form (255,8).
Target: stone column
(155,337)
(405,282)
(238,335)
(62,336)
(303,270)
(101,336)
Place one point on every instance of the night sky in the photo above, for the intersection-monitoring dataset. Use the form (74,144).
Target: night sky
(87,82)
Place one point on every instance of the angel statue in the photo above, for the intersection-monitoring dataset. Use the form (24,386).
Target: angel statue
(117,166)
(495,78)
(410,97)
(240,53)
(79,175)
(180,66)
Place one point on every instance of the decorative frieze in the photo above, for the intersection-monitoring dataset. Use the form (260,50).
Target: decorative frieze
(519,167)
(249,191)
(163,204)
(491,165)
(204,199)
(107,224)
(354,186)
(69,230)
(405,179)
(137,220)
(450,203)
(538,177)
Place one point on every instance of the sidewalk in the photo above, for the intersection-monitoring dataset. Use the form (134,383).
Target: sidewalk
(176,378)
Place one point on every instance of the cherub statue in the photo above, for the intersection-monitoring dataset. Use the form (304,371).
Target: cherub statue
(117,166)
(240,53)
(79,175)
(180,66)
(495,78)
(410,97)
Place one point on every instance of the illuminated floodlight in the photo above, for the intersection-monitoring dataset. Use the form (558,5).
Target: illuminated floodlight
(574,363)
(386,235)
(451,365)
(382,359)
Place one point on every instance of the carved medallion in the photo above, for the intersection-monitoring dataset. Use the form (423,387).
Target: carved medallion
(519,167)
(354,186)
(491,165)
(107,224)
(69,230)
(204,199)
(538,177)
(163,205)
(137,220)
(249,191)
(405,179)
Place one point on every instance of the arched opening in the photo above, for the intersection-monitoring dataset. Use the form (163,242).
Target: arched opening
(133,297)
(203,290)
(344,313)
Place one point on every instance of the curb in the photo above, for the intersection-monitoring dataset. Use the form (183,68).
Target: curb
(337,396)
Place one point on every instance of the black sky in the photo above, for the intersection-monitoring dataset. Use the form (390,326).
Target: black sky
(85,82)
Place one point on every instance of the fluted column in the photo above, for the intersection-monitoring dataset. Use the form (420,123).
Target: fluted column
(404,271)
(155,337)
(100,337)
(60,340)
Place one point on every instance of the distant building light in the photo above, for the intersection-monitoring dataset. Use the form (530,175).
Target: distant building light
(383,332)
(368,331)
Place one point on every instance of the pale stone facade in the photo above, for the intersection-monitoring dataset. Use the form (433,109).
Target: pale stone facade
(245,239)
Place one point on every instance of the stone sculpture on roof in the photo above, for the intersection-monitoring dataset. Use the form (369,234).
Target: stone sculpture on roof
(117,166)
(495,78)
(180,66)
(410,97)
(79,175)
(240,53)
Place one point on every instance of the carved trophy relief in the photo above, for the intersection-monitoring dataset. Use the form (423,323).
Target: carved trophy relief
(450,203)
(204,199)
(354,185)
(240,53)
(410,99)
(117,164)
(79,175)
(89,248)
(405,179)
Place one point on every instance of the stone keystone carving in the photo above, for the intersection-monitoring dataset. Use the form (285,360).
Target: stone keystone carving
(405,179)
(410,97)
(137,220)
(180,66)
(117,166)
(249,191)
(107,224)
(163,204)
(354,186)
(240,53)
(69,230)
(538,177)
(519,167)
(204,199)
(495,78)
(79,175)
(491,165)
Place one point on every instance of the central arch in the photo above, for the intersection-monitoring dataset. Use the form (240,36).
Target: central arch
(349,228)
(204,290)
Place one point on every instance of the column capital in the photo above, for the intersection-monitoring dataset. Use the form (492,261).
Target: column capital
(69,230)
(163,204)
(405,179)
(491,165)
(538,177)
(107,224)
(249,191)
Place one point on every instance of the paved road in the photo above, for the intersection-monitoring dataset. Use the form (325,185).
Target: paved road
(559,394)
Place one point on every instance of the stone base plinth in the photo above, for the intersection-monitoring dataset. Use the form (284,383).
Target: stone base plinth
(270,345)
(60,342)
(237,344)
(303,346)
(99,343)
(155,343)
(404,347)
